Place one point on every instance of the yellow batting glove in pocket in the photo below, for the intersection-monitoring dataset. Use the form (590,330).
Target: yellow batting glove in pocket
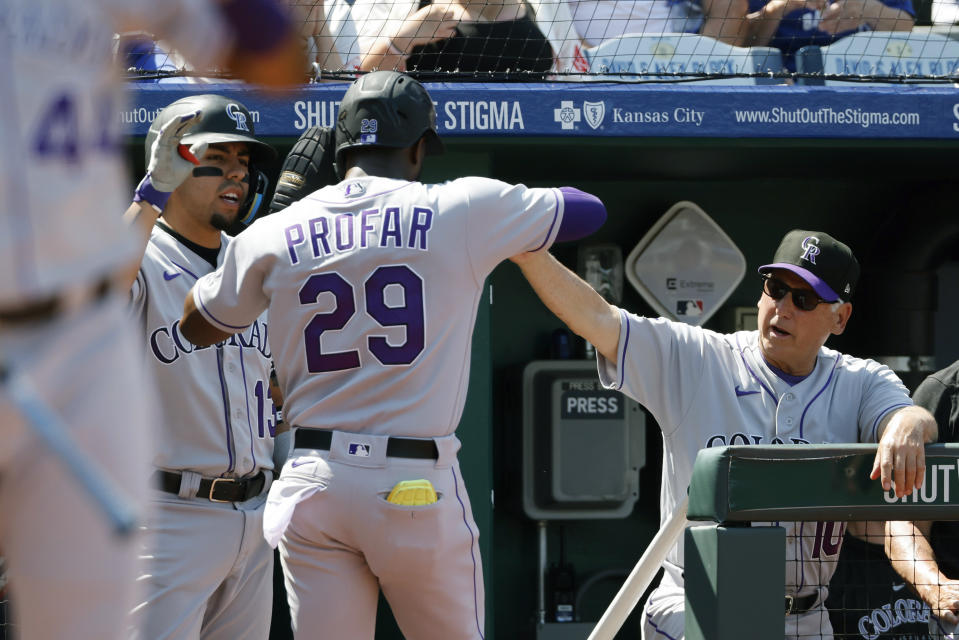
(412,493)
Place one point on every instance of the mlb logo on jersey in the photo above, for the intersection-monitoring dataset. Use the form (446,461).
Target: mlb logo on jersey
(354,189)
(359,450)
(368,138)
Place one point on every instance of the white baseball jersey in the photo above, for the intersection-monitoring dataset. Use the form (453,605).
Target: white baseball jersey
(206,569)
(63,187)
(372,287)
(707,389)
(62,169)
(218,416)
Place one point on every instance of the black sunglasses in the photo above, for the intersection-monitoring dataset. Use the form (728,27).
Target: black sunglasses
(805,299)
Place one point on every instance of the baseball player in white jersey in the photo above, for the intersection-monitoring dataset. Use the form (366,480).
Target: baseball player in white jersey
(372,287)
(775,385)
(207,569)
(73,394)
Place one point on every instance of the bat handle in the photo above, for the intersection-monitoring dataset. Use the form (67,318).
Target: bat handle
(55,435)
(641,575)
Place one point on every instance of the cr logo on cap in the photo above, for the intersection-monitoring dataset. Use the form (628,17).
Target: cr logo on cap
(810,249)
(236,115)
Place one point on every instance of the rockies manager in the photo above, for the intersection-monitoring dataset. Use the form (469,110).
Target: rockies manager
(207,572)
(372,287)
(772,386)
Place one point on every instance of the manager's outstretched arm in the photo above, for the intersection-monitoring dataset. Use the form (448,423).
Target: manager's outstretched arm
(573,301)
(911,555)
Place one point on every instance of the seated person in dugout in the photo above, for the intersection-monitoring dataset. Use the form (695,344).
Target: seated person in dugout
(573,25)
(470,36)
(789,25)
(599,20)
(867,599)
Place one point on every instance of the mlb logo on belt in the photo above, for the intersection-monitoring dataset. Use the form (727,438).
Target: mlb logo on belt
(359,450)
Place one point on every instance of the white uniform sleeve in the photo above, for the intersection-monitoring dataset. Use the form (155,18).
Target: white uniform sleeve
(506,219)
(882,392)
(661,366)
(138,295)
(232,297)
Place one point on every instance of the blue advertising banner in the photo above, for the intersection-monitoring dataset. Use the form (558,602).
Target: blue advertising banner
(611,110)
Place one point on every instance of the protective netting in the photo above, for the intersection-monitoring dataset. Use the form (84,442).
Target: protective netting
(718,41)
(868,599)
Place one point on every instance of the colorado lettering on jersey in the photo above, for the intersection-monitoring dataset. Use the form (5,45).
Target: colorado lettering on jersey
(467,115)
(167,344)
(369,228)
(892,615)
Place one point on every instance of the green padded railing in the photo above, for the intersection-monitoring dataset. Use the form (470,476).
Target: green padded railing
(815,482)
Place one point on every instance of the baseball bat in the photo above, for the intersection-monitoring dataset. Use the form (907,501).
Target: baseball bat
(641,575)
(56,436)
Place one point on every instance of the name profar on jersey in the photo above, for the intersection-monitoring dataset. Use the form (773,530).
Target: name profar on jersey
(588,400)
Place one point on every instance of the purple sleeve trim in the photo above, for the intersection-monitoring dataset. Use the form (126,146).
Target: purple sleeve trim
(146,192)
(622,352)
(557,210)
(259,24)
(222,325)
(583,214)
(875,425)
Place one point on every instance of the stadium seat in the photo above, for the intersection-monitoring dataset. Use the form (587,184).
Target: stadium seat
(916,56)
(671,56)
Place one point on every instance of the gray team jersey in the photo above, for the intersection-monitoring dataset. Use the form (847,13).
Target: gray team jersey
(62,169)
(218,417)
(707,389)
(373,285)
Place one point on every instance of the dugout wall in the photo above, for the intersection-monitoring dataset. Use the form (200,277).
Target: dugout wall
(889,192)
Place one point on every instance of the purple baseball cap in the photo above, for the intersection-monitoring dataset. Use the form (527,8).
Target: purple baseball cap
(826,264)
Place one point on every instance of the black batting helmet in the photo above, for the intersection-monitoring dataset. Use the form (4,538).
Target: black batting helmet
(221,120)
(385,109)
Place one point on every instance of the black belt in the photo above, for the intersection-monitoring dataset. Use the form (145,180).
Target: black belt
(49,308)
(306,438)
(800,604)
(214,489)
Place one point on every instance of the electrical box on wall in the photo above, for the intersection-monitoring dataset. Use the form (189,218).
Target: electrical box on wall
(583,445)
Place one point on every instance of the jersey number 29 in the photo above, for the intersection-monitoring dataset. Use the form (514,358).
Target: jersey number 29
(409,315)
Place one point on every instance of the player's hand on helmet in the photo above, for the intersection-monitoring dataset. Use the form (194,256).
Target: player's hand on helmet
(900,461)
(170,161)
